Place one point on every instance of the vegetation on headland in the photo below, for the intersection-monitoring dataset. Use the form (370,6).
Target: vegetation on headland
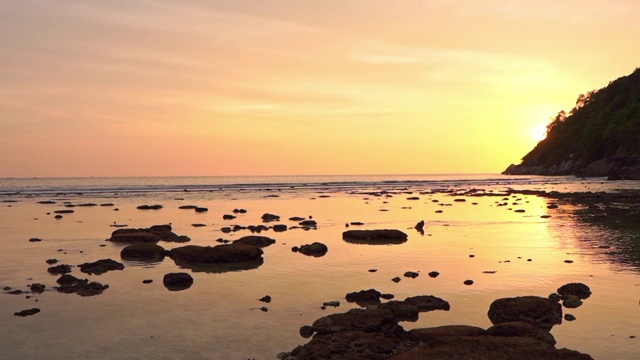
(599,136)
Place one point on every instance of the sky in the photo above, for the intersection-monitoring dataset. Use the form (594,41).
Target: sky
(304,87)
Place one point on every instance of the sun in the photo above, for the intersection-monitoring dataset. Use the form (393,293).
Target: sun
(538,133)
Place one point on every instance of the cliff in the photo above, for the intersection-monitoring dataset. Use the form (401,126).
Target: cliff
(600,136)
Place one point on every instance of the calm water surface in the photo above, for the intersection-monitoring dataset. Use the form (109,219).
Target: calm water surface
(219,316)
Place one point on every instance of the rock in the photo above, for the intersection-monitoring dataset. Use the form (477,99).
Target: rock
(133,236)
(306,331)
(198,225)
(201,209)
(427,334)
(270,217)
(51,261)
(280,227)
(374,237)
(255,240)
(521,328)
(147,281)
(468,282)
(188,207)
(364,297)
(396,279)
(27,312)
(331,303)
(149,207)
(402,310)
(69,284)
(352,345)
(411,274)
(58,217)
(296,218)
(419,226)
(221,258)
(311,223)
(100,266)
(35,240)
(239,211)
(266,299)
(581,291)
(177,281)
(571,302)
(59,269)
(228,217)
(37,288)
(569,317)
(426,303)
(541,312)
(434,274)
(182,239)
(145,252)
(355,320)
(67,211)
(315,249)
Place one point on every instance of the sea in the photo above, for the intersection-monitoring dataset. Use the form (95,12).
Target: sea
(476,228)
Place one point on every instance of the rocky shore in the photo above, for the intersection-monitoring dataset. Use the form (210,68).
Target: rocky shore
(619,168)
(520,330)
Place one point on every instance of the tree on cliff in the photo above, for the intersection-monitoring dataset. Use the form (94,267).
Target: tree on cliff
(603,124)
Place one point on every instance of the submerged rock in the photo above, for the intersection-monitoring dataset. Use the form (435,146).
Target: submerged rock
(143,252)
(315,249)
(69,284)
(541,312)
(216,259)
(27,312)
(255,240)
(374,237)
(100,266)
(177,281)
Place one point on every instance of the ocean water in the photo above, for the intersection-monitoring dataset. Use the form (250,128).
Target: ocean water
(219,317)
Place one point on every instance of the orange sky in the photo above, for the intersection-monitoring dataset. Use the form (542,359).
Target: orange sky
(195,87)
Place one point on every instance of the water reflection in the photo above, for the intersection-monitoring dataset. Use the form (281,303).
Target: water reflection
(217,268)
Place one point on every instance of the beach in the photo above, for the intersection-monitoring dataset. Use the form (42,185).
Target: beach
(484,228)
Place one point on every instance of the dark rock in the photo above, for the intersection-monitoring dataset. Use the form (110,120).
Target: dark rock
(280,227)
(46,202)
(37,288)
(201,209)
(426,303)
(58,217)
(434,274)
(198,225)
(541,312)
(59,269)
(355,320)
(147,281)
(306,331)
(352,345)
(133,236)
(221,258)
(581,291)
(27,312)
(149,207)
(188,207)
(255,240)
(402,310)
(35,240)
(315,249)
(419,226)
(364,297)
(270,217)
(521,328)
(239,211)
(228,217)
(143,252)
(266,299)
(177,281)
(438,332)
(331,303)
(571,301)
(468,282)
(51,261)
(396,279)
(296,218)
(374,237)
(100,266)
(311,223)
(411,274)
(69,284)
(569,317)
(66,211)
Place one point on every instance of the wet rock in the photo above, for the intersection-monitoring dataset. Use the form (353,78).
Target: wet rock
(396,279)
(280,227)
(374,237)
(255,240)
(188,207)
(59,269)
(201,209)
(239,211)
(296,218)
(569,317)
(58,217)
(177,281)
(352,345)
(427,334)
(411,274)
(310,223)
(315,249)
(100,266)
(51,261)
(35,240)
(143,252)
(541,312)
(434,274)
(419,226)
(198,225)
(402,310)
(133,236)
(27,312)
(228,217)
(270,217)
(521,328)
(468,282)
(581,291)
(571,301)
(65,211)
(69,284)
(428,303)
(266,299)
(331,303)
(306,331)
(355,320)
(37,288)
(364,297)
(147,281)
(149,207)
(220,258)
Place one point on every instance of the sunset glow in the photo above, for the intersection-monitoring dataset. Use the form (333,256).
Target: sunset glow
(141,88)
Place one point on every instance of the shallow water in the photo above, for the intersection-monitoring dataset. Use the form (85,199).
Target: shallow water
(219,316)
